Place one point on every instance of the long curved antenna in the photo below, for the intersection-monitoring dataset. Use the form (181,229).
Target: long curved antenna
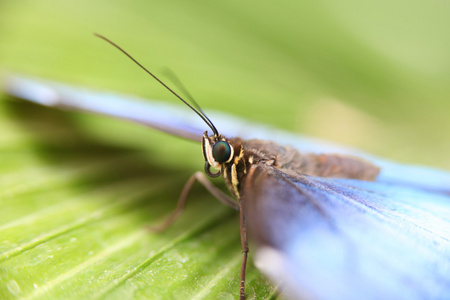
(177,82)
(199,113)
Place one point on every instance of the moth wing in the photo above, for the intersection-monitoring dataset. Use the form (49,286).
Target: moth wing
(165,117)
(348,239)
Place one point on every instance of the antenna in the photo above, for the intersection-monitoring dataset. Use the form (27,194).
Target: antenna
(177,82)
(199,112)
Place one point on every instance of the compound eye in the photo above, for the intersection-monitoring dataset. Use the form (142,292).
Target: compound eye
(221,152)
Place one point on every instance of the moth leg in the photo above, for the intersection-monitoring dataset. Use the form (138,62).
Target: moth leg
(201,178)
(244,244)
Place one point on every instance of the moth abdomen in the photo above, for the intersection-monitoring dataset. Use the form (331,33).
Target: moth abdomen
(290,160)
(339,166)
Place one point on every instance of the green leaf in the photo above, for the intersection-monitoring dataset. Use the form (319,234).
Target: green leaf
(77,191)
(74,215)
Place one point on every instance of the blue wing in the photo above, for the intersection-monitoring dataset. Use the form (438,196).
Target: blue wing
(178,120)
(162,116)
(348,239)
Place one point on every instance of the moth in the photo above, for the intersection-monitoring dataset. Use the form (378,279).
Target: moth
(322,226)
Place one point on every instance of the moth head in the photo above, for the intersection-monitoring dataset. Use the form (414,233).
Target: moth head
(217,151)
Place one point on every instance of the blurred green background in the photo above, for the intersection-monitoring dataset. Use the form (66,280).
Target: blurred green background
(76,190)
